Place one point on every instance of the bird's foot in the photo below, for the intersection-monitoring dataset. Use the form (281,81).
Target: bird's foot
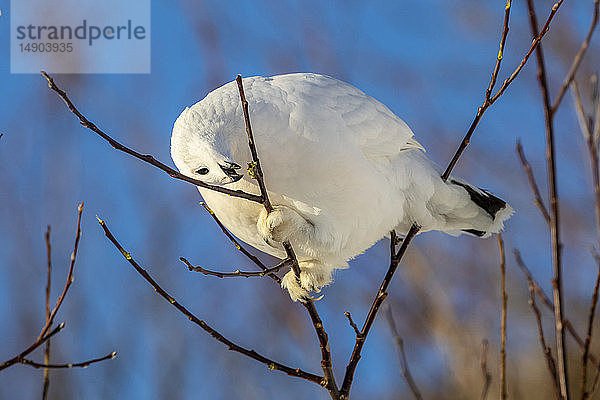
(313,276)
(280,225)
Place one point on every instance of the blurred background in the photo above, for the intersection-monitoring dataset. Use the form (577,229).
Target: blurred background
(429,62)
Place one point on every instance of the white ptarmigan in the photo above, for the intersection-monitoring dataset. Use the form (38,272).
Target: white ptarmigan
(341,169)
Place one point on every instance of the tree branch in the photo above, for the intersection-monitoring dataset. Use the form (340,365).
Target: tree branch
(402,355)
(17,359)
(144,157)
(238,246)
(46,333)
(545,348)
(381,295)
(70,277)
(577,60)
(488,101)
(548,303)
(272,365)
(46,377)
(83,364)
(537,198)
(588,339)
(587,126)
(352,323)
(561,347)
(238,273)
(487,377)
(326,363)
(503,392)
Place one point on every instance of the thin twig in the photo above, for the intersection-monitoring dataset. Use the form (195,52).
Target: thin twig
(272,365)
(534,45)
(402,355)
(588,339)
(83,364)
(326,363)
(144,157)
(352,323)
(595,106)
(548,303)
(255,167)
(545,348)
(577,60)
(46,377)
(561,348)
(487,377)
(237,244)
(593,153)
(70,277)
(17,359)
(537,198)
(238,273)
(584,122)
(44,335)
(379,298)
(503,393)
(505,28)
(488,101)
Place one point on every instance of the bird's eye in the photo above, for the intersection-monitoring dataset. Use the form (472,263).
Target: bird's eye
(202,171)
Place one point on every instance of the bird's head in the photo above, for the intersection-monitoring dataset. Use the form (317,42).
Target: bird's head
(199,152)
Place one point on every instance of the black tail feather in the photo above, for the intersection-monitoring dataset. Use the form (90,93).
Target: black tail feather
(484,199)
(474,232)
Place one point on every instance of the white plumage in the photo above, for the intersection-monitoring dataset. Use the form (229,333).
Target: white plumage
(341,169)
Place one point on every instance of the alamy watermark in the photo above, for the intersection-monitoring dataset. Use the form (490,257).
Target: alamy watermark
(73,36)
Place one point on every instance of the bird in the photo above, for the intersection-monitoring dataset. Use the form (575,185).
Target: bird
(341,170)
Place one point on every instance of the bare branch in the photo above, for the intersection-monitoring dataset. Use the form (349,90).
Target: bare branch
(577,60)
(379,298)
(488,92)
(402,355)
(237,244)
(44,335)
(256,170)
(83,364)
(595,107)
(272,365)
(488,101)
(588,339)
(46,377)
(326,363)
(70,277)
(592,146)
(548,303)
(46,332)
(503,393)
(352,324)
(17,359)
(238,273)
(545,348)
(487,377)
(584,122)
(561,348)
(144,157)
(537,198)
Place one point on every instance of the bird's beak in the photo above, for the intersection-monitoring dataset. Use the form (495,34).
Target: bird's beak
(230,170)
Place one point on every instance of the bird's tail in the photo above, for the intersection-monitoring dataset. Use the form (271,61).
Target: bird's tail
(452,206)
(496,208)
(492,213)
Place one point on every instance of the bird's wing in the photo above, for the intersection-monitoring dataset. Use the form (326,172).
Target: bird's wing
(319,102)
